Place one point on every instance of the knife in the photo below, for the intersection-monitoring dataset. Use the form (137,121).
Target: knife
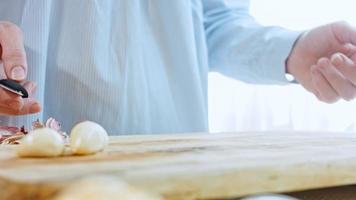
(14,87)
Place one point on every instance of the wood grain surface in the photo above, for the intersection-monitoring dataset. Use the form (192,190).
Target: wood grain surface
(194,166)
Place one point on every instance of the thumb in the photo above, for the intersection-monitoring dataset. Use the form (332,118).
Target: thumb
(12,51)
(344,32)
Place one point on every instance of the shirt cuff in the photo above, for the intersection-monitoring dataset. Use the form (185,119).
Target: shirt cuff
(280,47)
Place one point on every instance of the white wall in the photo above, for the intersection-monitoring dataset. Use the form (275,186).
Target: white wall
(302,14)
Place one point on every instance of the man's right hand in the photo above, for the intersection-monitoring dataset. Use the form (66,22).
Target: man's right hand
(14,66)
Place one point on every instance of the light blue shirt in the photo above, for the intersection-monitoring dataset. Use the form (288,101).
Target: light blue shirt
(141,66)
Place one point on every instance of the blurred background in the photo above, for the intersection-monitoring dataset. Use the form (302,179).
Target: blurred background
(236,106)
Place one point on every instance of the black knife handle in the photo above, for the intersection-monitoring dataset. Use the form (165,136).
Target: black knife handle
(13,85)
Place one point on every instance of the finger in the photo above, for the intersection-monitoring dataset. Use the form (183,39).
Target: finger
(10,100)
(344,88)
(30,87)
(2,70)
(30,106)
(345,66)
(13,51)
(314,75)
(349,50)
(325,92)
(13,103)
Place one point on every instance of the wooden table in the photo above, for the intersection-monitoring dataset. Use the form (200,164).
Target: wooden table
(194,166)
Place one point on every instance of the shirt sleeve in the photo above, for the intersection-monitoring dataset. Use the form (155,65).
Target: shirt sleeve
(241,48)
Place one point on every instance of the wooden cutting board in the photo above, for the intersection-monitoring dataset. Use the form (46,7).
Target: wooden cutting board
(194,166)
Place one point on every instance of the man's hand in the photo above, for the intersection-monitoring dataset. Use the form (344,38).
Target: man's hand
(324,62)
(14,66)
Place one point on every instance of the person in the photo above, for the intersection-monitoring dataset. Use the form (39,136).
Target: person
(140,66)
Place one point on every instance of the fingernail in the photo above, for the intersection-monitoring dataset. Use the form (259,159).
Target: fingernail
(35,108)
(347,47)
(18,73)
(337,59)
(347,60)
